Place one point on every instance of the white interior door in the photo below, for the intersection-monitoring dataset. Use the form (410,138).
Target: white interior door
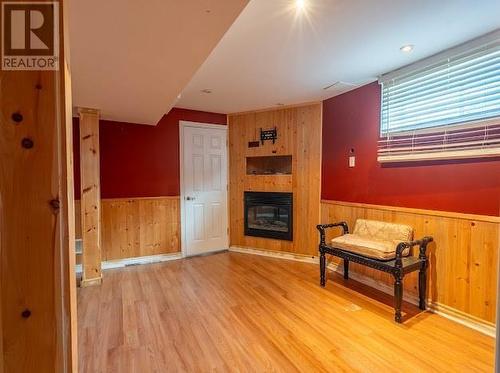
(204,188)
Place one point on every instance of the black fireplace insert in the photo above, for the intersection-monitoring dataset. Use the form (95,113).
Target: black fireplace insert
(269,214)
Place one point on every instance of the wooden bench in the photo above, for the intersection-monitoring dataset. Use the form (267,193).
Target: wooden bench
(382,246)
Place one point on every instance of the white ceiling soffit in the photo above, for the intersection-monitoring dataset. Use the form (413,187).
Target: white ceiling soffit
(131,58)
(274,54)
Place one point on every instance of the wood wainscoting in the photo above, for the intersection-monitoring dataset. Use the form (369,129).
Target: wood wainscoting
(299,135)
(137,227)
(463,257)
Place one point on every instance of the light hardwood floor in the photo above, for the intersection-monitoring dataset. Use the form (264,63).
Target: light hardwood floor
(240,312)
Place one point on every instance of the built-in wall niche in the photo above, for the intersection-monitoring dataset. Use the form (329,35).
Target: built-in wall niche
(269,165)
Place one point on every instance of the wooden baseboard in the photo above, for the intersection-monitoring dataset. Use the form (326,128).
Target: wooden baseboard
(463,318)
(275,254)
(450,313)
(91,282)
(121,263)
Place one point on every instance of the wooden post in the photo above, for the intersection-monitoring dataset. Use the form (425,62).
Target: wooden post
(37,271)
(90,196)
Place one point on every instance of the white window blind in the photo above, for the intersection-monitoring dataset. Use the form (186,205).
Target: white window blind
(445,107)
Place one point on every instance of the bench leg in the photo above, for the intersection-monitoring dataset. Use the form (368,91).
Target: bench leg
(322,268)
(422,286)
(398,296)
(346,269)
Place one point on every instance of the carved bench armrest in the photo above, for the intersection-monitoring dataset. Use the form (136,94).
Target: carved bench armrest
(402,246)
(322,227)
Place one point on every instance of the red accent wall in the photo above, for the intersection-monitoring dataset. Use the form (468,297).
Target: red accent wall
(351,120)
(140,160)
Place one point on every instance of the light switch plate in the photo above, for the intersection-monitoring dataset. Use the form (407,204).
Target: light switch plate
(352,161)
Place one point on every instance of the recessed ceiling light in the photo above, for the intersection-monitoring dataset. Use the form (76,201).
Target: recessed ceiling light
(406,48)
(300,4)
(208,91)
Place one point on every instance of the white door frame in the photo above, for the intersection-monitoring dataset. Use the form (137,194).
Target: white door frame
(182,125)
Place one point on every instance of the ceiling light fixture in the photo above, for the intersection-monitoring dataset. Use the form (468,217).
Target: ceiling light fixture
(406,48)
(300,4)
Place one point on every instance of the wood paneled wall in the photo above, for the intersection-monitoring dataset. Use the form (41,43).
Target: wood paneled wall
(299,135)
(463,258)
(140,227)
(133,227)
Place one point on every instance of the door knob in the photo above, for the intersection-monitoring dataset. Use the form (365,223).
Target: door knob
(190,198)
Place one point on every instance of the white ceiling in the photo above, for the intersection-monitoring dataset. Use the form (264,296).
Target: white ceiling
(132,58)
(273,54)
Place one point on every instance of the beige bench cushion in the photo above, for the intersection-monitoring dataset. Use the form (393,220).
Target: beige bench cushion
(375,239)
(382,230)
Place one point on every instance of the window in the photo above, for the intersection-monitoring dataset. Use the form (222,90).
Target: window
(447,106)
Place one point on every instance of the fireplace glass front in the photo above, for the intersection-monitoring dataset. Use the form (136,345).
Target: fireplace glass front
(269,215)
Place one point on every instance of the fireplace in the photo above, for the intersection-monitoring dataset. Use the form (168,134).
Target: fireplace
(269,215)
